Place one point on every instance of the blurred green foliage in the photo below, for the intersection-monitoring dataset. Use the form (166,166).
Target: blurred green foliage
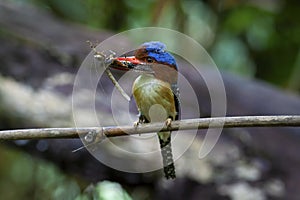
(24,177)
(250,38)
(105,190)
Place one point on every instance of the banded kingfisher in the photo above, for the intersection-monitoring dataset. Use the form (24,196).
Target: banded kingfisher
(155,90)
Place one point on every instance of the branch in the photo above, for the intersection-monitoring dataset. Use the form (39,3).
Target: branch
(92,134)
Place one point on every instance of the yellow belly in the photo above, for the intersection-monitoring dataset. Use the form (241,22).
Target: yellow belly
(154,98)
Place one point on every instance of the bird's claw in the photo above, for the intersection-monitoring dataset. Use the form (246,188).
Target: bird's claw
(141,120)
(136,124)
(168,122)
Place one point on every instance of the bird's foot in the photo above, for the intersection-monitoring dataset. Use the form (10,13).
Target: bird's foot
(141,120)
(168,123)
(136,123)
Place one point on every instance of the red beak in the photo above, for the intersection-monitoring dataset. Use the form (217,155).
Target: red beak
(125,63)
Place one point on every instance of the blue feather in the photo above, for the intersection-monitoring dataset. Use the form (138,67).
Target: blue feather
(157,50)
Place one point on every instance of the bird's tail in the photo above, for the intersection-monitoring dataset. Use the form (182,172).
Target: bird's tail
(167,156)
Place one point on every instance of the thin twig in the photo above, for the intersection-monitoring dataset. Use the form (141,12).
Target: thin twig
(117,85)
(92,134)
(106,59)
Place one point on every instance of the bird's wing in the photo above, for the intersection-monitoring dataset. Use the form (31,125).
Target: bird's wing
(176,94)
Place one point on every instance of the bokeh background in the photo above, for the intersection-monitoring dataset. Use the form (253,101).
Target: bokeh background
(250,38)
(255,43)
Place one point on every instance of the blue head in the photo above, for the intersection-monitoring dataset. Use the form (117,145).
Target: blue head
(157,51)
(153,58)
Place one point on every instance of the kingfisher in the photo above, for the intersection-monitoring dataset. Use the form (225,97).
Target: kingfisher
(155,92)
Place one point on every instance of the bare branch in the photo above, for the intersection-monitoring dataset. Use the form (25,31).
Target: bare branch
(92,134)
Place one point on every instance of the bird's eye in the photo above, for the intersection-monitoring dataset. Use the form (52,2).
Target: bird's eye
(149,60)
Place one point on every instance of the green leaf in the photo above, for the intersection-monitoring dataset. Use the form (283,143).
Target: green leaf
(107,190)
